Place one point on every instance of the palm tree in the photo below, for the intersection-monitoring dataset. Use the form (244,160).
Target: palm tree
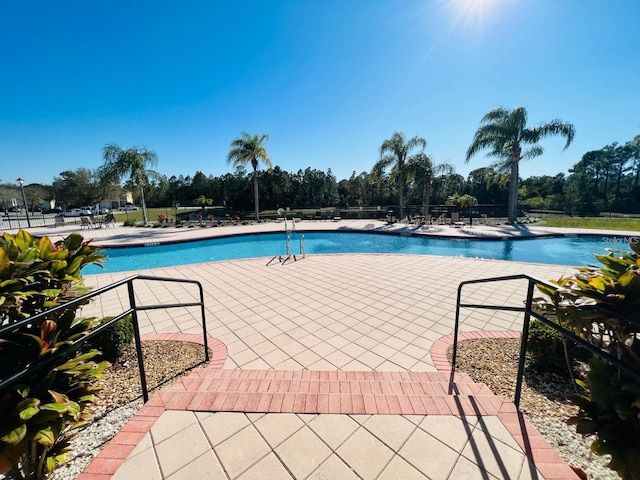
(250,149)
(505,132)
(203,202)
(134,163)
(395,151)
(422,171)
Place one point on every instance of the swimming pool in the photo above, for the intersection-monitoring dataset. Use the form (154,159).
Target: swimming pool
(557,250)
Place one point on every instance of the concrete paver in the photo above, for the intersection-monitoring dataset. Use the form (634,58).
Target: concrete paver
(242,451)
(269,467)
(334,429)
(429,455)
(277,428)
(366,454)
(303,452)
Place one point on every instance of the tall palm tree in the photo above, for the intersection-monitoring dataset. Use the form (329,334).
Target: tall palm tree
(250,149)
(505,132)
(422,171)
(135,163)
(395,151)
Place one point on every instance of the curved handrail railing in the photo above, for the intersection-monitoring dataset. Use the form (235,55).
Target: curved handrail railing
(528,313)
(132,310)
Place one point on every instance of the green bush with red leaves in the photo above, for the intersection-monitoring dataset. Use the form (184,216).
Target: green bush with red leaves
(39,413)
(602,305)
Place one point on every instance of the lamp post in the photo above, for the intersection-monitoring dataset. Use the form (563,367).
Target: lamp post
(24,200)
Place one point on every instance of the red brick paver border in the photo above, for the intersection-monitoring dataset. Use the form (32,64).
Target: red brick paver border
(310,391)
(113,455)
(535,446)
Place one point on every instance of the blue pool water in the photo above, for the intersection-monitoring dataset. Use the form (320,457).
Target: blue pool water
(561,251)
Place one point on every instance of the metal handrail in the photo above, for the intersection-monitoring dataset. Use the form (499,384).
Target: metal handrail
(528,313)
(132,310)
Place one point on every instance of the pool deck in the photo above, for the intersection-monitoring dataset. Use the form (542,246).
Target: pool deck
(119,236)
(329,367)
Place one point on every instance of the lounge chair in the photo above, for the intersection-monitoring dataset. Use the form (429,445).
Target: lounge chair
(427,221)
(110,220)
(86,222)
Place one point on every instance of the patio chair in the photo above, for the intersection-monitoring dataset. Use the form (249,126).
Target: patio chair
(86,222)
(455,220)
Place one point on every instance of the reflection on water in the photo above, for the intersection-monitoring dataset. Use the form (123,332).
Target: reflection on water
(507,249)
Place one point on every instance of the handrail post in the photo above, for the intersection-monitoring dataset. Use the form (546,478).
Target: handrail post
(136,333)
(454,353)
(204,323)
(523,343)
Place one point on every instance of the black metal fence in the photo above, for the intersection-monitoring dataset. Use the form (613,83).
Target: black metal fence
(15,221)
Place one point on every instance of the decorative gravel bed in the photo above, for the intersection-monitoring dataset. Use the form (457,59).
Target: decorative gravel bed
(121,396)
(494,362)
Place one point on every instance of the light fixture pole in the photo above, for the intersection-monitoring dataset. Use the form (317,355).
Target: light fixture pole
(24,200)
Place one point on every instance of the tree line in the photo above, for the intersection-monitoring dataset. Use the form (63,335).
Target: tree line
(603,180)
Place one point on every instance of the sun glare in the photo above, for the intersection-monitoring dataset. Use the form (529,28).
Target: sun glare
(472,15)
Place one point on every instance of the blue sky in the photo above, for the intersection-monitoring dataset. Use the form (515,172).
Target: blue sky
(328,80)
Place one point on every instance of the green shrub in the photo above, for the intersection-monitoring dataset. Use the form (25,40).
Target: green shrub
(114,340)
(39,414)
(596,302)
(546,348)
(130,223)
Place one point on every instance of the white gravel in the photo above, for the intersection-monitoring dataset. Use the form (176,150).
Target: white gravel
(88,442)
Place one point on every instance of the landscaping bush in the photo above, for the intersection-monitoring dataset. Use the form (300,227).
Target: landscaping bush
(114,340)
(39,414)
(602,305)
(130,223)
(546,348)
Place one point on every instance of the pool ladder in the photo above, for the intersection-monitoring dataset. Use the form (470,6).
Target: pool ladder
(287,244)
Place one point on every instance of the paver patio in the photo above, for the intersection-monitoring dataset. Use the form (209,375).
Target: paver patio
(370,326)
(331,313)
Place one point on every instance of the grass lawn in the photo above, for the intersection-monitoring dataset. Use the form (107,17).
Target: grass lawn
(152,213)
(593,222)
